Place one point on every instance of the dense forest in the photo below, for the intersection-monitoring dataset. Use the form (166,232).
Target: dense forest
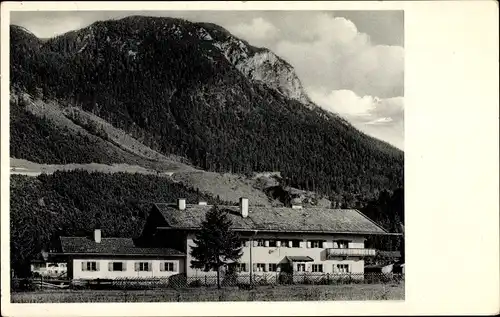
(177,93)
(67,203)
(40,141)
(387,211)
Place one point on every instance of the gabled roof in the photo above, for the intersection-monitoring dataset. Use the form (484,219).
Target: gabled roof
(313,220)
(111,246)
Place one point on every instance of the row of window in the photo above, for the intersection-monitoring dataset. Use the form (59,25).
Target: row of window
(144,266)
(318,268)
(299,267)
(295,243)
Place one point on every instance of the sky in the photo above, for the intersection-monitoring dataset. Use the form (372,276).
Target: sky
(349,62)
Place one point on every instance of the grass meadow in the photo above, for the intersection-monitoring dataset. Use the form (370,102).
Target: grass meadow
(263,293)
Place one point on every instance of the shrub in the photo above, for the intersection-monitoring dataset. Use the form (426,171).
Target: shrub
(196,283)
(179,280)
(230,280)
(246,286)
(24,284)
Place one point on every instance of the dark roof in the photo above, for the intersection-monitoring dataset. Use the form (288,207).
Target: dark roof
(299,258)
(325,220)
(389,254)
(111,246)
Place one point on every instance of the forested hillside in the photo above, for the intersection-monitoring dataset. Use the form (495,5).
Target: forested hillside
(169,84)
(67,203)
(388,211)
(38,140)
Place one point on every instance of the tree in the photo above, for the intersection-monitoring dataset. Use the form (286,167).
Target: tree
(215,244)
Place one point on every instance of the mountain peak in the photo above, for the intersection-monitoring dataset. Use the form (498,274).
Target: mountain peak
(196,91)
(257,64)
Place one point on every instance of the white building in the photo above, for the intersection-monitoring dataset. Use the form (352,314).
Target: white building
(275,241)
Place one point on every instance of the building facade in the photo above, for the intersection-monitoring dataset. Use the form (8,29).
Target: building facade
(274,241)
(110,258)
(293,240)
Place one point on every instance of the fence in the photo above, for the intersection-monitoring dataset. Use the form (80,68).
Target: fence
(229,280)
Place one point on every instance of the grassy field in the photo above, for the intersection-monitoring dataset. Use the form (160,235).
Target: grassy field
(278,293)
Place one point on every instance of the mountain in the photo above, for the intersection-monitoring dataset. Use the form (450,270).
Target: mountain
(193,90)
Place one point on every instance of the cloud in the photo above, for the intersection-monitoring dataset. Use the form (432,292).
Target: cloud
(343,72)
(343,58)
(49,25)
(380,118)
(255,31)
(344,102)
(381,121)
(375,70)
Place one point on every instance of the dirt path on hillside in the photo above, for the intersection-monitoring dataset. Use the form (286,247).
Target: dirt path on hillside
(229,187)
(24,167)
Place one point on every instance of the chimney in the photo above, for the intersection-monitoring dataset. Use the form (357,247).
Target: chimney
(97,235)
(97,230)
(181,203)
(296,206)
(244,207)
(202,203)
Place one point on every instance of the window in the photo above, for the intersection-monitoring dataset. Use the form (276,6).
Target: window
(273,267)
(341,268)
(241,267)
(295,243)
(244,242)
(272,243)
(168,267)
(317,267)
(143,266)
(260,267)
(237,267)
(301,267)
(284,244)
(90,266)
(116,266)
(341,244)
(260,243)
(316,243)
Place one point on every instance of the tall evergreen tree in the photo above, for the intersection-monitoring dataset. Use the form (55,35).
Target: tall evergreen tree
(215,244)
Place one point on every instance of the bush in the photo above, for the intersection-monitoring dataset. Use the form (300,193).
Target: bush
(179,280)
(246,286)
(196,283)
(230,280)
(262,282)
(22,285)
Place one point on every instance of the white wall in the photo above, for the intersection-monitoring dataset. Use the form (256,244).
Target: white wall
(104,272)
(49,269)
(277,254)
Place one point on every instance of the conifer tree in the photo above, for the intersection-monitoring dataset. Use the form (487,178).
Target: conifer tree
(215,244)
